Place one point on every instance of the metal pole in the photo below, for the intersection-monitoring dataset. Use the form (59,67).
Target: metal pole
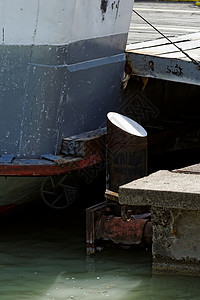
(126,148)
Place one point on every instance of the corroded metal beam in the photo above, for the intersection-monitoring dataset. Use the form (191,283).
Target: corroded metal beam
(171,69)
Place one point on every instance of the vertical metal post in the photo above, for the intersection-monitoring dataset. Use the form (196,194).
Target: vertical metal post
(126,151)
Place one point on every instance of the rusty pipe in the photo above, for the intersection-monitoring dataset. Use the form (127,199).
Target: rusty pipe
(128,232)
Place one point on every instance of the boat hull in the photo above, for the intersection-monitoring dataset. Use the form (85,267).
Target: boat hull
(61,69)
(18,190)
(47,100)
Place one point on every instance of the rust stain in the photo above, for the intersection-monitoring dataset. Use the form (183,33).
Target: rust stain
(145,81)
(177,70)
(173,232)
(103,7)
(112,5)
(151,65)
(3,34)
(128,66)
(129,232)
(130,71)
(115,5)
(117,8)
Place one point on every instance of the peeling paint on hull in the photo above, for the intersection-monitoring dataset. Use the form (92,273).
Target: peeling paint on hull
(60,70)
(53,96)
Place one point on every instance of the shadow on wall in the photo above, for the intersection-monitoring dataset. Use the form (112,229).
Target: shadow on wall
(170,113)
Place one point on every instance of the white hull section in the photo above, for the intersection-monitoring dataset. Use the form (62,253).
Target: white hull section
(52,22)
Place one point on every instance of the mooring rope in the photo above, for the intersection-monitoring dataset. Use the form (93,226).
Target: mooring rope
(186,54)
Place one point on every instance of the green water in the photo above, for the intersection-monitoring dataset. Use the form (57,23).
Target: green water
(43,257)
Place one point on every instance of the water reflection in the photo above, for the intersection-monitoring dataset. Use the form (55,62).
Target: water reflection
(43,257)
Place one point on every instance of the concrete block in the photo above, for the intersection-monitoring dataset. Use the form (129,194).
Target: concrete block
(176,241)
(175,204)
(164,189)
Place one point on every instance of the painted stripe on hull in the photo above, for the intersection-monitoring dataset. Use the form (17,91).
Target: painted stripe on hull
(77,52)
(85,65)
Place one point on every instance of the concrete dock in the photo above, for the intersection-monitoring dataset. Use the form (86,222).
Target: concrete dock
(149,54)
(173,18)
(153,61)
(174,198)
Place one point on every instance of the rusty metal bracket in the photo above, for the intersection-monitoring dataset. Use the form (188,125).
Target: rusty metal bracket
(104,224)
(90,225)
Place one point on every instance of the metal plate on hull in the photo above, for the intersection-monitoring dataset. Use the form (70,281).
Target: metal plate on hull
(6,158)
(61,68)
(47,93)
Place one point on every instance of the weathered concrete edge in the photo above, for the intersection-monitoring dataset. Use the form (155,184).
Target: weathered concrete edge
(159,199)
(175,267)
(151,191)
